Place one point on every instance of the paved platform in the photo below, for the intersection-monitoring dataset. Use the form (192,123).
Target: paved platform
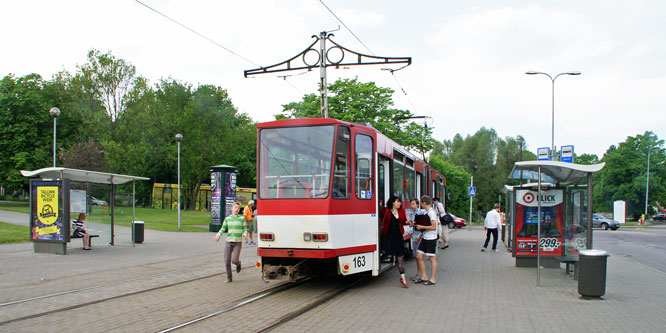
(475,291)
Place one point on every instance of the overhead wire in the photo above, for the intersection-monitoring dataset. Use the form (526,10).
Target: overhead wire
(392,71)
(214,42)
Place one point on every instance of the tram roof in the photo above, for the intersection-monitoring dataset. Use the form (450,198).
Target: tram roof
(82,175)
(555,171)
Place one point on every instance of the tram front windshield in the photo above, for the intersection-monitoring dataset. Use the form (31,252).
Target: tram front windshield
(295,162)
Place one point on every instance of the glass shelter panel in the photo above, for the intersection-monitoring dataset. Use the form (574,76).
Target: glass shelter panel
(298,162)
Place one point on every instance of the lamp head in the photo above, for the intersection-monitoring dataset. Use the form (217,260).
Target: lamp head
(179,137)
(54,112)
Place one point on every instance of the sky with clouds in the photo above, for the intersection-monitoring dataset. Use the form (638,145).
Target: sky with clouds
(469,58)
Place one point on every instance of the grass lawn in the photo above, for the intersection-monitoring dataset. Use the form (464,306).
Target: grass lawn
(10,233)
(21,207)
(156,219)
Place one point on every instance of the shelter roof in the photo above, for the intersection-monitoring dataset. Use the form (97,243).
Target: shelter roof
(560,172)
(82,175)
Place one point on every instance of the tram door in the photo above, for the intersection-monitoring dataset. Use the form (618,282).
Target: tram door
(383,179)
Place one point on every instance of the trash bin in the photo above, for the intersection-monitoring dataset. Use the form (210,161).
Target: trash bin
(592,273)
(138,231)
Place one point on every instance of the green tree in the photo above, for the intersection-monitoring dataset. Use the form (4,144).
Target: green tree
(624,176)
(358,102)
(213,133)
(109,80)
(457,180)
(27,128)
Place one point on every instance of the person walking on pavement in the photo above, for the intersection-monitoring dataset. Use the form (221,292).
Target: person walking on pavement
(428,246)
(248,212)
(236,228)
(444,227)
(392,228)
(491,225)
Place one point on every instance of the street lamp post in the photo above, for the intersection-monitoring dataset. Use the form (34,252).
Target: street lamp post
(54,112)
(647,186)
(552,79)
(179,138)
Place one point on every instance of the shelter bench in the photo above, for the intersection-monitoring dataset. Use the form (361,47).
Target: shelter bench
(570,261)
(90,237)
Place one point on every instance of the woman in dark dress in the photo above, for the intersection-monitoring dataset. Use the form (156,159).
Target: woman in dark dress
(392,229)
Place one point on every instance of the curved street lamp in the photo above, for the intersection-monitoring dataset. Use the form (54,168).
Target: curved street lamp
(179,138)
(54,112)
(552,79)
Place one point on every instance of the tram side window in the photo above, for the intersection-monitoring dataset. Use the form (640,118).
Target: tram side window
(410,178)
(399,180)
(364,167)
(340,188)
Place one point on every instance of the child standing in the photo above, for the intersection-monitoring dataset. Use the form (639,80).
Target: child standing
(236,228)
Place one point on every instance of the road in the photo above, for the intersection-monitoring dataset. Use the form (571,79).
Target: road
(647,246)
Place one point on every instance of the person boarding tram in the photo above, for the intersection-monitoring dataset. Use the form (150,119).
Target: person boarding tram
(392,229)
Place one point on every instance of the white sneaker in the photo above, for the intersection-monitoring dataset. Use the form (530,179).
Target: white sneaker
(495,250)
(483,249)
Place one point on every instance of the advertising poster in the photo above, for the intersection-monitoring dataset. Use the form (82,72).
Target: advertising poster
(230,192)
(47,215)
(215,199)
(527,221)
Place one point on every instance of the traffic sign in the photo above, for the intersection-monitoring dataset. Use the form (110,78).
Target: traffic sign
(543,153)
(567,154)
(472,191)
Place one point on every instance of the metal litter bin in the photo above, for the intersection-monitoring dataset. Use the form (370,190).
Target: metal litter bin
(592,273)
(138,231)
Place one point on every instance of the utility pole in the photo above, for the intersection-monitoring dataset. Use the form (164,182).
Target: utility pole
(327,57)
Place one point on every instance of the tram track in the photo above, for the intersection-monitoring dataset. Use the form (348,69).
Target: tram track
(274,308)
(133,286)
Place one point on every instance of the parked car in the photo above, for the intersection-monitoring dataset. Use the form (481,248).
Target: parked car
(659,217)
(600,221)
(458,222)
(97,202)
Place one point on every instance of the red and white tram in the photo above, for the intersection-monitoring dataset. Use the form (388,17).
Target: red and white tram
(319,186)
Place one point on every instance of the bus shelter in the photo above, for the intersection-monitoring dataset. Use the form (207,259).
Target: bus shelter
(50,204)
(550,216)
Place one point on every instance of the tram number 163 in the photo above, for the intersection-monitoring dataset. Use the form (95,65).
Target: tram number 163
(359,261)
(355,263)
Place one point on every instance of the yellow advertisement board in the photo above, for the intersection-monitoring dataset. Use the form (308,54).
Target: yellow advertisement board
(47,215)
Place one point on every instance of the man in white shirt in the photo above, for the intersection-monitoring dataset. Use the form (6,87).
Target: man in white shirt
(491,225)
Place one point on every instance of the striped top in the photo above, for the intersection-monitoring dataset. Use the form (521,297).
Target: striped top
(76,224)
(235,227)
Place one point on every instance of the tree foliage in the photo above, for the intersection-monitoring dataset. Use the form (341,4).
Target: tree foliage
(624,176)
(358,102)
(488,158)
(109,80)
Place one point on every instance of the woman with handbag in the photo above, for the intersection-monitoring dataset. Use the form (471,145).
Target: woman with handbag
(392,229)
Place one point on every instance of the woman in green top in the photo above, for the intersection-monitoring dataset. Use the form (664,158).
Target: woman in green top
(236,228)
